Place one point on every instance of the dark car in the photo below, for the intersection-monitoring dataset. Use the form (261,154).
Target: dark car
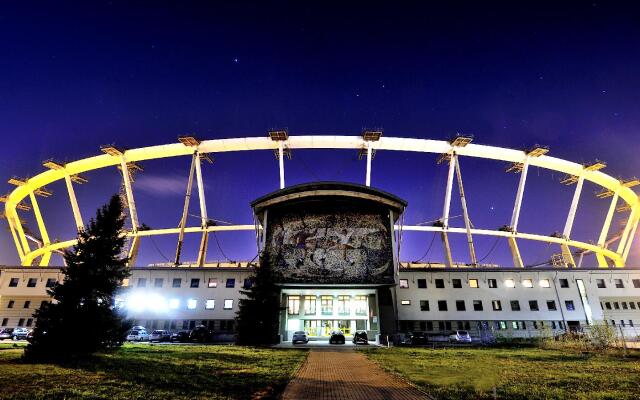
(6,333)
(181,336)
(160,335)
(337,337)
(200,334)
(360,337)
(417,338)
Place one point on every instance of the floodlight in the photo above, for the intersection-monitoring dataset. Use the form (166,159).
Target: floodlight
(595,166)
(278,134)
(371,135)
(631,182)
(444,157)
(132,166)
(569,179)
(52,164)
(23,207)
(461,140)
(206,157)
(362,153)
(286,151)
(111,150)
(79,179)
(43,191)
(604,193)
(537,151)
(17,181)
(516,167)
(189,141)
(623,208)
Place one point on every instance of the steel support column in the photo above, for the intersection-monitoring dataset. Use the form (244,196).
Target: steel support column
(515,252)
(574,207)
(126,178)
(369,153)
(281,162)
(445,211)
(74,203)
(202,252)
(602,260)
(12,228)
(625,234)
(44,260)
(133,251)
(632,235)
(185,209)
(515,215)
(467,222)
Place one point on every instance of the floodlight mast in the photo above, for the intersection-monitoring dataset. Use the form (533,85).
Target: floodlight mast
(370,136)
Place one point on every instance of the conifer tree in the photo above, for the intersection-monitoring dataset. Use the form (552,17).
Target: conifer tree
(82,317)
(259,311)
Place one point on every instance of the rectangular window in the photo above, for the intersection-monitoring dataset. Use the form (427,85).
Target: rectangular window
(27,304)
(622,322)
(405,302)
(231,282)
(228,304)
(21,322)
(361,304)
(213,283)
(42,303)
(564,283)
(10,304)
(607,305)
(247,283)
(533,305)
(192,304)
(619,283)
(293,305)
(492,283)
(624,305)
(515,305)
(528,283)
(14,282)
(551,305)
(344,305)
(473,283)
(142,282)
(195,282)
(51,282)
(158,282)
(326,305)
(125,282)
(440,283)
(177,282)
(424,305)
(502,325)
(32,282)
(477,305)
(422,283)
(631,322)
(544,283)
(460,306)
(456,283)
(535,324)
(569,305)
(600,283)
(510,283)
(514,324)
(632,305)
(310,305)
(496,305)
(5,321)
(636,283)
(209,304)
(442,305)
(616,305)
(404,283)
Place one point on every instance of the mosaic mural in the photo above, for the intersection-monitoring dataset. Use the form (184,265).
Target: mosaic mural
(327,247)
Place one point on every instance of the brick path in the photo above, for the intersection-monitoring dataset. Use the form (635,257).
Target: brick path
(346,374)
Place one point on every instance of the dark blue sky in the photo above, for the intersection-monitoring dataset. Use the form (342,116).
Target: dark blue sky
(74,76)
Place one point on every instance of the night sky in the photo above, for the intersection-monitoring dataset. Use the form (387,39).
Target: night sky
(74,76)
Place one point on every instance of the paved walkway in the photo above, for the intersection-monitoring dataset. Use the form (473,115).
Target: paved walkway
(346,374)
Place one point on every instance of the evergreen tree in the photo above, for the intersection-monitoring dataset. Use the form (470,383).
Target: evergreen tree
(259,311)
(82,318)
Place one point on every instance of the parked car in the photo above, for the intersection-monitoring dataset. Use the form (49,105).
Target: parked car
(360,337)
(299,337)
(6,333)
(460,337)
(337,337)
(160,335)
(180,336)
(417,338)
(20,333)
(200,334)
(137,335)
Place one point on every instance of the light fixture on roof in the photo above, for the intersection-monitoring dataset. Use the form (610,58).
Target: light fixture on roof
(20,206)
(631,182)
(595,166)
(604,193)
(189,141)
(132,166)
(111,150)
(17,181)
(43,192)
(569,179)
(79,179)
(206,157)
(444,157)
(461,140)
(516,167)
(52,164)
(278,134)
(537,151)
(371,135)
(362,153)
(623,208)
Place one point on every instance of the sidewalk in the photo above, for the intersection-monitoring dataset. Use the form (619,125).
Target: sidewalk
(328,374)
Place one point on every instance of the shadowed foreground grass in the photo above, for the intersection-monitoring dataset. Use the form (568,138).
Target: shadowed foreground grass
(515,373)
(154,372)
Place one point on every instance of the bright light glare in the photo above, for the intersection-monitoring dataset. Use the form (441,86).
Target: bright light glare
(192,304)
(174,304)
(544,283)
(509,283)
(141,301)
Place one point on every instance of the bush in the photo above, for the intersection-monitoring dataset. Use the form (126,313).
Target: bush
(602,337)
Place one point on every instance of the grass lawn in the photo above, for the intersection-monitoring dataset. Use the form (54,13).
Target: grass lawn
(528,373)
(154,372)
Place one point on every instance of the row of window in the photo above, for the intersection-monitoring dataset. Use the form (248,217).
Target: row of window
(192,304)
(344,302)
(195,283)
(600,283)
(22,322)
(509,283)
(616,305)
(218,325)
(26,304)
(32,282)
(479,325)
(496,305)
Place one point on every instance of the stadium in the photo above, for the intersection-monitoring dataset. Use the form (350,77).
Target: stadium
(338,248)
